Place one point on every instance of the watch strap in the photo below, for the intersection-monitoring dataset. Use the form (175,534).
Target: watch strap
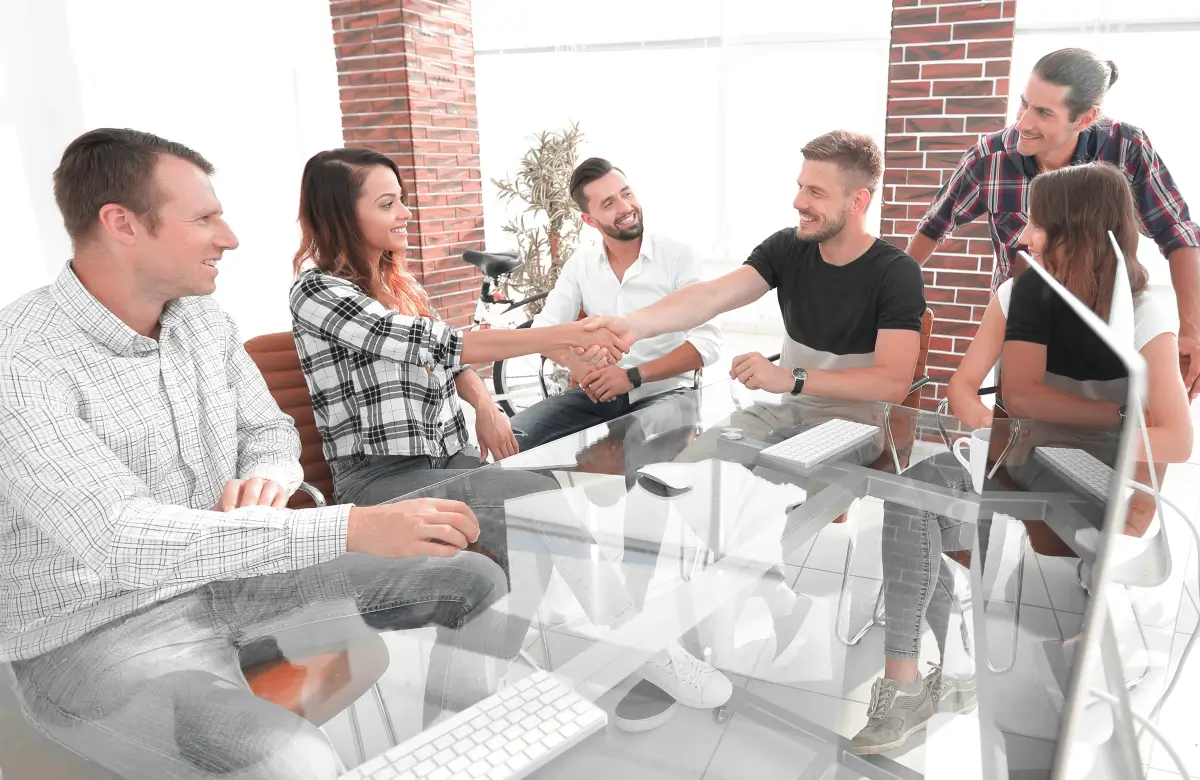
(635,376)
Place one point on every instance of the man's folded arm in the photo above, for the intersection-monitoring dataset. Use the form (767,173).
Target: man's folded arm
(58,475)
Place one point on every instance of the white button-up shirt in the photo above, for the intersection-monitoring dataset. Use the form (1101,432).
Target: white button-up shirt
(113,448)
(587,282)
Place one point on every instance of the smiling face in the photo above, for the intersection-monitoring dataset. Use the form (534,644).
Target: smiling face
(1044,121)
(179,256)
(613,209)
(382,216)
(823,200)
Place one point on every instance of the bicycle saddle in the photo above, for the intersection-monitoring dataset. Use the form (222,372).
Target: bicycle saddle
(492,263)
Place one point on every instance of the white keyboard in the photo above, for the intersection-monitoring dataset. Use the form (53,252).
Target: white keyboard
(1082,468)
(507,735)
(821,442)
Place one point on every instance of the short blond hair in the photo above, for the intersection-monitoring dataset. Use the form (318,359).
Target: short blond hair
(855,154)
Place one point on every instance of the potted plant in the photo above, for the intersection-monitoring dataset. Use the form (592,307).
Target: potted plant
(547,229)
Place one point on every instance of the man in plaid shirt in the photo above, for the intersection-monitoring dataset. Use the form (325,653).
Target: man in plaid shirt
(1059,125)
(144,467)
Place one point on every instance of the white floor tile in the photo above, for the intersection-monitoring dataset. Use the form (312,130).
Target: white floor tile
(1177,721)
(829,549)
(1062,584)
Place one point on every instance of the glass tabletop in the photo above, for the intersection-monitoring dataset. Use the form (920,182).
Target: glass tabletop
(669,530)
(674,545)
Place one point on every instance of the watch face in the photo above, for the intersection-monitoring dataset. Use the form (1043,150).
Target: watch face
(799,373)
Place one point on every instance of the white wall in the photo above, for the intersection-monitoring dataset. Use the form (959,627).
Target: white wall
(704,103)
(250,84)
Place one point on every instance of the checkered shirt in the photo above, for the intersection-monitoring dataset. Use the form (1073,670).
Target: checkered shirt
(993,178)
(382,383)
(114,446)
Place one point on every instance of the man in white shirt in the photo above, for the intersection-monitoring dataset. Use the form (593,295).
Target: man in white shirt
(144,467)
(629,271)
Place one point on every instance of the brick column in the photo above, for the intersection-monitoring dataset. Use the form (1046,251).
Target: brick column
(406,72)
(947,85)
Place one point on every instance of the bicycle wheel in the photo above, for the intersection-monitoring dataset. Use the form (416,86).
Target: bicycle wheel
(518,381)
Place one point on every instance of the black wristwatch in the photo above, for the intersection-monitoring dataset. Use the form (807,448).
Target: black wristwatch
(635,377)
(799,374)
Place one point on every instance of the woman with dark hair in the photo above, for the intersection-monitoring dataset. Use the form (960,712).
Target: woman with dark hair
(385,377)
(1055,370)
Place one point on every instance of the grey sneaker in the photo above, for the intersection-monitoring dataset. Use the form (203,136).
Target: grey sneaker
(953,694)
(894,715)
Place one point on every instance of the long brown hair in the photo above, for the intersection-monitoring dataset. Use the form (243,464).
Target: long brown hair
(1076,207)
(331,237)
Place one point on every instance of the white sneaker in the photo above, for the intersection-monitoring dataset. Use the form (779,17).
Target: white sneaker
(688,680)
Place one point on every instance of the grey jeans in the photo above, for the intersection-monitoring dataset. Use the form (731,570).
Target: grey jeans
(918,580)
(525,525)
(161,693)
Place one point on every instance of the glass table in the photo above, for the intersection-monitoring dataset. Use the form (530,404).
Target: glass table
(669,525)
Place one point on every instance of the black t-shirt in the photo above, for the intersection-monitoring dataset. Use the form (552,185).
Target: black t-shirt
(1036,314)
(840,309)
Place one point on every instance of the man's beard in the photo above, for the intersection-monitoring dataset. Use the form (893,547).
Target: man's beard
(832,229)
(628,234)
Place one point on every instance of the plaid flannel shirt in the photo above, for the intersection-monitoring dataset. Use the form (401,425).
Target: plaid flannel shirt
(993,178)
(113,449)
(382,383)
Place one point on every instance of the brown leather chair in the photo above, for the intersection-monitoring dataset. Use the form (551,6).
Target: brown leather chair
(319,687)
(276,357)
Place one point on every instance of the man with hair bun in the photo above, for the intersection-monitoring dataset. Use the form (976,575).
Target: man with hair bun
(1060,124)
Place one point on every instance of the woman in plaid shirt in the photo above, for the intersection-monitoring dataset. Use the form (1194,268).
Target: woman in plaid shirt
(385,377)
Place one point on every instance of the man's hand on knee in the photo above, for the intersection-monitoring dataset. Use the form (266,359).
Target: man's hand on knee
(251,492)
(435,527)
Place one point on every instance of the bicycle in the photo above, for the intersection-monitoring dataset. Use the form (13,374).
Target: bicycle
(519,382)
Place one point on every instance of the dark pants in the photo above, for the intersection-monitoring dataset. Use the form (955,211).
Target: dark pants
(572,412)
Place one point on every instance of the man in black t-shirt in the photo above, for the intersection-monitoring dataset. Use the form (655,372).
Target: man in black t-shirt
(851,303)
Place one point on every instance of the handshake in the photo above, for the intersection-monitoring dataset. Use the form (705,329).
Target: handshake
(600,341)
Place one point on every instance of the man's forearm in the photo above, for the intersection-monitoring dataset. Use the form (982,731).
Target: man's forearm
(680,311)
(678,361)
(471,389)
(858,384)
(1185,278)
(921,247)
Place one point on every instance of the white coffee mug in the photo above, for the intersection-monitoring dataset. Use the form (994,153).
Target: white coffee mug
(976,462)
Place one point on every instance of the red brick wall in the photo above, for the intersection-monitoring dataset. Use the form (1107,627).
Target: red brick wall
(947,85)
(406,72)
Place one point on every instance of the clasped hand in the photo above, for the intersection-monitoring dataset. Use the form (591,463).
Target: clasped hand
(757,373)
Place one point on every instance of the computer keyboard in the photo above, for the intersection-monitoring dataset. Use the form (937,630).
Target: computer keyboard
(505,736)
(820,443)
(1082,468)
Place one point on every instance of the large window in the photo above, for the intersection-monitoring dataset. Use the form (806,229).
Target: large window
(704,103)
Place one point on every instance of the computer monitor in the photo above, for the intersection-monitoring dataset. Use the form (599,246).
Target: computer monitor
(1062,472)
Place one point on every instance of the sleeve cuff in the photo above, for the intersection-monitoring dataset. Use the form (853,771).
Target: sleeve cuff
(318,535)
(1184,234)
(447,346)
(927,229)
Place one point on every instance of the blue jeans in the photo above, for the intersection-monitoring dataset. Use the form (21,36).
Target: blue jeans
(161,693)
(572,412)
